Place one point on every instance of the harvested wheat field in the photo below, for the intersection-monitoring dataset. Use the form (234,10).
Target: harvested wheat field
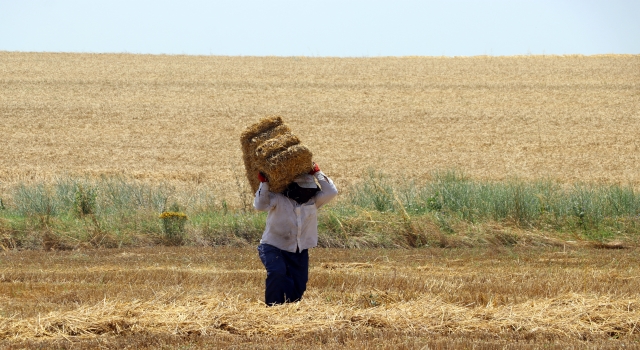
(176,121)
(178,118)
(388,299)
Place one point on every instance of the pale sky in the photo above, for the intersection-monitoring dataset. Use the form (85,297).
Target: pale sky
(323,28)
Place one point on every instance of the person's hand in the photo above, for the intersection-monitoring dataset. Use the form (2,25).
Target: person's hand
(262,178)
(315,169)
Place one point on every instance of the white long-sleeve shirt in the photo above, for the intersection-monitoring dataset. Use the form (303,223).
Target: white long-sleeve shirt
(291,225)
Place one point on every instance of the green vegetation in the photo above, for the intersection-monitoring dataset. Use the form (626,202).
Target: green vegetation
(448,210)
(592,211)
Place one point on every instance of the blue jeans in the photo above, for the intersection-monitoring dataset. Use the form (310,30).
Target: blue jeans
(287,274)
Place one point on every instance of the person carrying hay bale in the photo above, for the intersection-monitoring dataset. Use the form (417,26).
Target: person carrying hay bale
(291,229)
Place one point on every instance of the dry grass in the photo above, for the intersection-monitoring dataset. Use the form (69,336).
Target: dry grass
(270,148)
(573,297)
(178,118)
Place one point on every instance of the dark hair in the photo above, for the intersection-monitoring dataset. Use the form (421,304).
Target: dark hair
(299,194)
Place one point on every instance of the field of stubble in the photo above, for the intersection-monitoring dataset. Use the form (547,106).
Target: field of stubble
(371,298)
(177,120)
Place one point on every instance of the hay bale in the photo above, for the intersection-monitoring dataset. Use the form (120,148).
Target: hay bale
(272,147)
(269,147)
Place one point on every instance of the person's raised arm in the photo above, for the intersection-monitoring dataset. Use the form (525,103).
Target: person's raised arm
(328,188)
(262,201)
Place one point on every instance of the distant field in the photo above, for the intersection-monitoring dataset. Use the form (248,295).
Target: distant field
(178,118)
(523,298)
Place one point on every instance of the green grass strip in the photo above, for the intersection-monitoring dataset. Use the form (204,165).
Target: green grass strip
(378,211)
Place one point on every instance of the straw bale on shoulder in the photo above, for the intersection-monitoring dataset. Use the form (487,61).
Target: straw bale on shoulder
(260,127)
(282,167)
(269,147)
(276,145)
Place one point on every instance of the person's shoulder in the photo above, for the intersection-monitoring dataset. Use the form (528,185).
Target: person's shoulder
(276,194)
(279,197)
